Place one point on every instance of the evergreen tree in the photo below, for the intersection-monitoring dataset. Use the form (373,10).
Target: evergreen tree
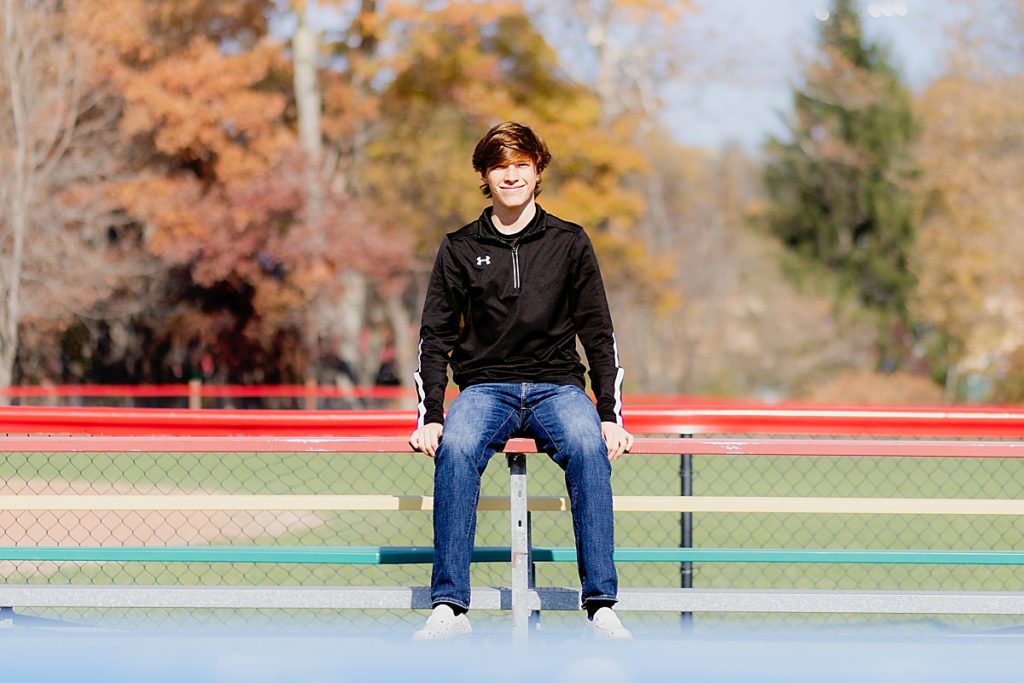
(839,189)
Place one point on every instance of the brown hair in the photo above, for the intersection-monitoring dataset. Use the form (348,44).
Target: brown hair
(506,142)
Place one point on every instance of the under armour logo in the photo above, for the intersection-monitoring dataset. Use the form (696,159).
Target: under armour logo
(483,260)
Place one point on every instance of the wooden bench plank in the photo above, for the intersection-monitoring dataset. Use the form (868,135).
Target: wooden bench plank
(271,502)
(346,503)
(819,505)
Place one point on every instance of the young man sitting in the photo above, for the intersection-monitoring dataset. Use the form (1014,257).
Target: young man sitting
(508,296)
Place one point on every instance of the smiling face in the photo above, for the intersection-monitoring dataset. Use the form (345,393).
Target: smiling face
(502,152)
(512,183)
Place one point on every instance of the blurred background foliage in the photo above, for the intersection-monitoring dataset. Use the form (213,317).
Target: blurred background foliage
(252,191)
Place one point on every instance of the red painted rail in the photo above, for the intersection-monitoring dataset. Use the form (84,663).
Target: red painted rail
(204,391)
(170,422)
(826,420)
(694,419)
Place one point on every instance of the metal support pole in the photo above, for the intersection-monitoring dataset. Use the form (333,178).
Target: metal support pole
(521,559)
(534,622)
(686,529)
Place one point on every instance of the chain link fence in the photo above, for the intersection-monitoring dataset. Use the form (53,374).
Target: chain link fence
(312,473)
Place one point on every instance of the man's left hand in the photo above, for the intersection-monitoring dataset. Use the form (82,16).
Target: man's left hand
(617,439)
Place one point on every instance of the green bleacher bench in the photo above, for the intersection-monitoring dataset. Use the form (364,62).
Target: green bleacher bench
(521,597)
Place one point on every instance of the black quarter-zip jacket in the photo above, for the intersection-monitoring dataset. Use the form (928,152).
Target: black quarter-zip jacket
(504,310)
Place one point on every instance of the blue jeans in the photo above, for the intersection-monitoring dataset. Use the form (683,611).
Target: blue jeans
(565,425)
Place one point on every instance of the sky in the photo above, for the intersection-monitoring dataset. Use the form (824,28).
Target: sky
(748,55)
(769,39)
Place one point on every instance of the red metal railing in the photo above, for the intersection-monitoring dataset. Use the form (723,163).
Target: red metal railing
(195,391)
(813,419)
(691,419)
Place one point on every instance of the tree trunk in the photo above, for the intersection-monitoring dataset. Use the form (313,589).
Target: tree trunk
(400,320)
(305,50)
(16,193)
(351,305)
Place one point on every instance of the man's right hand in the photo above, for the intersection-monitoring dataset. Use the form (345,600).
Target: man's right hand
(426,438)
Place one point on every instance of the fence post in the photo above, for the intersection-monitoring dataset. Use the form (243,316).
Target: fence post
(51,393)
(686,529)
(310,400)
(195,394)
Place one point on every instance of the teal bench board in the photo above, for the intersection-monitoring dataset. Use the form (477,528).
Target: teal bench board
(381,555)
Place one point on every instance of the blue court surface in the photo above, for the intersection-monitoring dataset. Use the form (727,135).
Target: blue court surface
(314,658)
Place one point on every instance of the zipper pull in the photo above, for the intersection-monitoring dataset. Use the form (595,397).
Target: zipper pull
(515,266)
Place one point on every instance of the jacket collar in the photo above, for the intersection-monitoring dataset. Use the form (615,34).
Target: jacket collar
(485,228)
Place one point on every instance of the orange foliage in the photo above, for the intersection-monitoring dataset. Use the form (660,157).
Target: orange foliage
(254,241)
(204,106)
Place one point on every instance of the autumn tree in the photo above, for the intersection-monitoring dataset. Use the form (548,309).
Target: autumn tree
(216,189)
(62,247)
(334,103)
(696,330)
(466,71)
(245,251)
(840,187)
(970,260)
(628,51)
(283,186)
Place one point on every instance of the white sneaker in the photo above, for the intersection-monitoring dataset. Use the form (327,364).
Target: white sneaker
(606,625)
(442,624)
